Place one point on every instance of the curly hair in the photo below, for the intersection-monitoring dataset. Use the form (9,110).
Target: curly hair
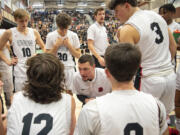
(45,76)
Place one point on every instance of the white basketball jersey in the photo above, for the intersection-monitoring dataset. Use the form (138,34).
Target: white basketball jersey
(124,112)
(3,65)
(63,52)
(25,117)
(23,47)
(153,43)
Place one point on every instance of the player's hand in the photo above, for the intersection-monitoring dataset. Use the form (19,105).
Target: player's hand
(101,61)
(66,42)
(88,99)
(14,61)
(59,41)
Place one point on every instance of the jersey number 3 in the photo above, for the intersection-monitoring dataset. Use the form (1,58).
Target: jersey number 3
(37,120)
(155,27)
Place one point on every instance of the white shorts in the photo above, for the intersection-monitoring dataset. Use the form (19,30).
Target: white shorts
(69,73)
(163,87)
(8,81)
(19,83)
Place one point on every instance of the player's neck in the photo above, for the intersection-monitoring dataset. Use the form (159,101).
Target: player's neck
(133,10)
(62,34)
(22,30)
(169,21)
(123,86)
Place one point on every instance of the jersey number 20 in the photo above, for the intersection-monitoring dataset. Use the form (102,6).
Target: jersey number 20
(27,120)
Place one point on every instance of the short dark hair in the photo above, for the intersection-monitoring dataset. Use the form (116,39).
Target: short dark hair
(97,10)
(86,58)
(123,60)
(45,76)
(113,3)
(168,7)
(63,20)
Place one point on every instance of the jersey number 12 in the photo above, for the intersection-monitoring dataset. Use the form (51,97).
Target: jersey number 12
(27,120)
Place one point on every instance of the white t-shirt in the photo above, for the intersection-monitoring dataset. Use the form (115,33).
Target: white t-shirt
(121,112)
(153,43)
(33,118)
(99,86)
(174,26)
(98,34)
(23,47)
(63,52)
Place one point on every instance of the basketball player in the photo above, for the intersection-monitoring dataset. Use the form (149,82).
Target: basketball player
(125,110)
(167,11)
(65,45)
(90,82)
(97,38)
(2,128)
(177,100)
(42,108)
(149,31)
(6,71)
(23,41)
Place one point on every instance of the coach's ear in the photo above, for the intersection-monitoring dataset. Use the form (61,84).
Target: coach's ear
(108,74)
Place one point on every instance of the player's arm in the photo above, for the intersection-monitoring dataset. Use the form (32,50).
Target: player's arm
(39,40)
(91,48)
(90,43)
(73,116)
(128,34)
(75,52)
(177,109)
(2,132)
(3,42)
(172,44)
(162,118)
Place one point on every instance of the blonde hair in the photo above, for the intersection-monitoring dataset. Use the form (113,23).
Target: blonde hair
(21,14)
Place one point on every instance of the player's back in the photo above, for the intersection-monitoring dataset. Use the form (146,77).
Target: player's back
(153,43)
(122,112)
(27,117)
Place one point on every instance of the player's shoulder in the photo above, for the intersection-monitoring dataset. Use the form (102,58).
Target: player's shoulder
(51,34)
(71,33)
(92,26)
(100,71)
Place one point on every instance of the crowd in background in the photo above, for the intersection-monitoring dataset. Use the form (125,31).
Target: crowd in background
(44,22)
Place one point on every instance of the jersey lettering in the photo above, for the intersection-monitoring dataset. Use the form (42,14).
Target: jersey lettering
(133,127)
(26,52)
(155,27)
(62,56)
(27,120)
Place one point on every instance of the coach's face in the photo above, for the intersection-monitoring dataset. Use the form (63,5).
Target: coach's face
(100,17)
(86,71)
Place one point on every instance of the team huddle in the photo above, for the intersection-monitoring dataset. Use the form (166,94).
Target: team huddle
(126,88)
